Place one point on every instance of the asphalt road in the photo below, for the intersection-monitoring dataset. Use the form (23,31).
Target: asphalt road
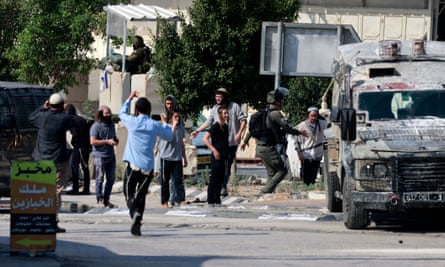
(205,239)
(269,231)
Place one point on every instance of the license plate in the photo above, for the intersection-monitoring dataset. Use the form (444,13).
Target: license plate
(423,197)
(203,159)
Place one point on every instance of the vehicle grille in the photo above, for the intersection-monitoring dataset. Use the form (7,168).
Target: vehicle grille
(421,174)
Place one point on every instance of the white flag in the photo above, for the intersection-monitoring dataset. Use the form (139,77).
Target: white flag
(104,81)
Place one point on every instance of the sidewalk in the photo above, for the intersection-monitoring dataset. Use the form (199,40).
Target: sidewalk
(246,195)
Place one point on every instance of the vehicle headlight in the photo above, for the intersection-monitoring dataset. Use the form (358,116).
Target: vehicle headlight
(373,170)
(373,175)
(380,171)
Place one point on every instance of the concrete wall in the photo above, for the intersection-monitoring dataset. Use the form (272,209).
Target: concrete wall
(169,4)
(78,95)
(405,4)
(373,24)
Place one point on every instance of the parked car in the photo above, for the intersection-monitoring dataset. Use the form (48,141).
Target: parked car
(203,153)
(17,135)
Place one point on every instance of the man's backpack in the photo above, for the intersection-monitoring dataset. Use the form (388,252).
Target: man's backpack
(257,124)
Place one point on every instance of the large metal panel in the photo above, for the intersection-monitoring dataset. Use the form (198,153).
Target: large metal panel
(306,50)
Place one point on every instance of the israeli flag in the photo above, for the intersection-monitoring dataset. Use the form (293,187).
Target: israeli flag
(104,81)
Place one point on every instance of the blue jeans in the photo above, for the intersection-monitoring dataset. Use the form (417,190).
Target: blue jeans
(172,185)
(104,167)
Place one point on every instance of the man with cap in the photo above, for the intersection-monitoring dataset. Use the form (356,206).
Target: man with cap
(52,124)
(310,148)
(139,154)
(271,149)
(237,123)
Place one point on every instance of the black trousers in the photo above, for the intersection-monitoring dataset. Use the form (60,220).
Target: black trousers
(309,171)
(80,157)
(136,186)
(219,169)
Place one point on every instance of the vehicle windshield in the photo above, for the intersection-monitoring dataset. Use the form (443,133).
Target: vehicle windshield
(402,105)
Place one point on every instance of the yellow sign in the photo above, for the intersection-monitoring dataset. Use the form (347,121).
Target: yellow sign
(33,206)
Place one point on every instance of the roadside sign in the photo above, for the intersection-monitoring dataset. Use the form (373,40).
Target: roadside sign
(299,49)
(33,206)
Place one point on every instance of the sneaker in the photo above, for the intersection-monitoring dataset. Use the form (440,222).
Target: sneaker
(136,229)
(85,193)
(73,192)
(224,192)
(108,204)
(60,229)
(136,226)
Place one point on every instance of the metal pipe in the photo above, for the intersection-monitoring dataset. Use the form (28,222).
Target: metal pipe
(279,55)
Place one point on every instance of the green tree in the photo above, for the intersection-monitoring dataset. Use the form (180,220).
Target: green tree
(55,42)
(10,26)
(303,93)
(219,48)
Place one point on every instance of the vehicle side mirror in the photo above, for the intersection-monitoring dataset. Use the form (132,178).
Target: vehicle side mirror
(348,124)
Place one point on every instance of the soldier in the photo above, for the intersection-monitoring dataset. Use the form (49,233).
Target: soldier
(271,147)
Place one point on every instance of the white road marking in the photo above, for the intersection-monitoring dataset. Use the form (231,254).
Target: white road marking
(412,251)
(299,217)
(188,213)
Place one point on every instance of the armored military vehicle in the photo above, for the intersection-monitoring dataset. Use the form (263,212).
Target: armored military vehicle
(17,135)
(385,150)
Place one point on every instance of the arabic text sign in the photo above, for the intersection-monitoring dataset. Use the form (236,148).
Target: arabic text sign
(33,206)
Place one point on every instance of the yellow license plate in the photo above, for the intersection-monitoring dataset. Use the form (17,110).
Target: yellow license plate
(204,159)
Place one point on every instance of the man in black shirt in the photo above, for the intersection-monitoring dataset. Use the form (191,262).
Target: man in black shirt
(81,151)
(52,124)
(217,140)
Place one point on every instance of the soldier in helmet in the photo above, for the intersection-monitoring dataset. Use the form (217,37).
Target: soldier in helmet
(139,57)
(137,62)
(271,150)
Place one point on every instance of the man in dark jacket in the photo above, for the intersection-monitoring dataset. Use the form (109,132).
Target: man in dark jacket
(52,124)
(81,151)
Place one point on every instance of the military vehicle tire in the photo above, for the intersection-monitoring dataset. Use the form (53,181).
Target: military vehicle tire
(332,185)
(353,217)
